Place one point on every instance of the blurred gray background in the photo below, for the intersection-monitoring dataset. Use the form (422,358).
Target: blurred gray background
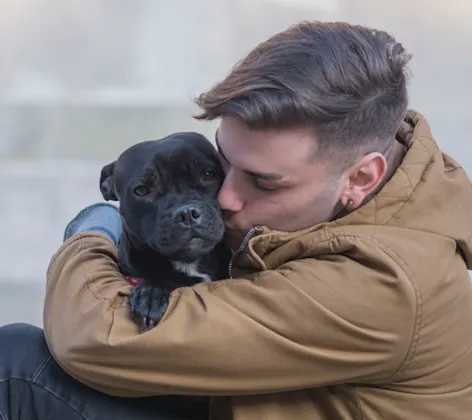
(80,81)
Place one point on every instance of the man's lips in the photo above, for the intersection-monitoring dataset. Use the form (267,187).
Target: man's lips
(227,222)
(235,233)
(231,228)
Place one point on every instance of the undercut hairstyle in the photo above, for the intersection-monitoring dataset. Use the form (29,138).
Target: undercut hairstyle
(346,82)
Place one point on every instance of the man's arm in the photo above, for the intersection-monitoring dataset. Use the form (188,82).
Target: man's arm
(307,324)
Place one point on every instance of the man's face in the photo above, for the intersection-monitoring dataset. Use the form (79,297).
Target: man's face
(272,179)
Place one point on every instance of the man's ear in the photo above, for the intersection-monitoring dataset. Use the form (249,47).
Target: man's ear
(107,182)
(366,176)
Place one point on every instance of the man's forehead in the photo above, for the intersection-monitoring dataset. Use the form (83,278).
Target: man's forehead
(253,172)
(265,151)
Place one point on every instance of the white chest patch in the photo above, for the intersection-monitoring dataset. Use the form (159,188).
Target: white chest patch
(191,269)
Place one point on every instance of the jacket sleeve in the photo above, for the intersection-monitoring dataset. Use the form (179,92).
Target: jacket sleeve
(309,323)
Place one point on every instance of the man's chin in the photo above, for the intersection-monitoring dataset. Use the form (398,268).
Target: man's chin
(235,238)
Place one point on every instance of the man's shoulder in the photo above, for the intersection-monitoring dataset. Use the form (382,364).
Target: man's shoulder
(420,254)
(422,257)
(352,241)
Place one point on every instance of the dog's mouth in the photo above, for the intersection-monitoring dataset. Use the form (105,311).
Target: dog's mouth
(190,244)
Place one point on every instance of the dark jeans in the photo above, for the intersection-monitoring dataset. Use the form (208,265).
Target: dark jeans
(34,387)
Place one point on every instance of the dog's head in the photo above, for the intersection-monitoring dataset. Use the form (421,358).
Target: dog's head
(167,191)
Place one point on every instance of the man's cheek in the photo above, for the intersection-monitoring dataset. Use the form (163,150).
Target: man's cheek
(224,165)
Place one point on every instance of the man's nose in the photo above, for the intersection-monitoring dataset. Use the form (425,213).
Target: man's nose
(228,197)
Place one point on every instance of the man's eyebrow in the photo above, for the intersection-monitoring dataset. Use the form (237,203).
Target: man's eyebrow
(255,174)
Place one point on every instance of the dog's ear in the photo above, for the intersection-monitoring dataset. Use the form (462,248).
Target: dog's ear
(107,184)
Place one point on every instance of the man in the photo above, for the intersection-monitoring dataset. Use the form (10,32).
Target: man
(350,296)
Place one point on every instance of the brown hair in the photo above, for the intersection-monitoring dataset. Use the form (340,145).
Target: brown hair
(347,82)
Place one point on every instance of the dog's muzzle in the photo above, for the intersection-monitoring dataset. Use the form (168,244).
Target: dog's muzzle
(188,230)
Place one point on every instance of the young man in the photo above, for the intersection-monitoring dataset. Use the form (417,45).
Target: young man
(350,296)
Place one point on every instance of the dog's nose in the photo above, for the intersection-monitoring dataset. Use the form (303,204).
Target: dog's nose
(187,215)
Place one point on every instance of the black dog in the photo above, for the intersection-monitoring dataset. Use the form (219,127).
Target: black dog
(173,230)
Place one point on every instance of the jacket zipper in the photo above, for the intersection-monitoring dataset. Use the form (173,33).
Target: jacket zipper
(245,241)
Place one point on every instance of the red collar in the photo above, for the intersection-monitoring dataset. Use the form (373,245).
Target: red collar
(134,281)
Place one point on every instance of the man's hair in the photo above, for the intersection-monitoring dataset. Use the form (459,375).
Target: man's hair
(347,82)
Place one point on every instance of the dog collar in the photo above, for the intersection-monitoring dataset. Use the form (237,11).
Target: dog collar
(134,281)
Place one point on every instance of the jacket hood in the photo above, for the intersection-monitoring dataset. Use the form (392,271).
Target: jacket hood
(429,192)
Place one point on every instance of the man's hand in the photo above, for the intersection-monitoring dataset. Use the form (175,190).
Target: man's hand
(98,217)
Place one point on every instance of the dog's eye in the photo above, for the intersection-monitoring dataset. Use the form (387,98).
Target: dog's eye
(142,190)
(209,174)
